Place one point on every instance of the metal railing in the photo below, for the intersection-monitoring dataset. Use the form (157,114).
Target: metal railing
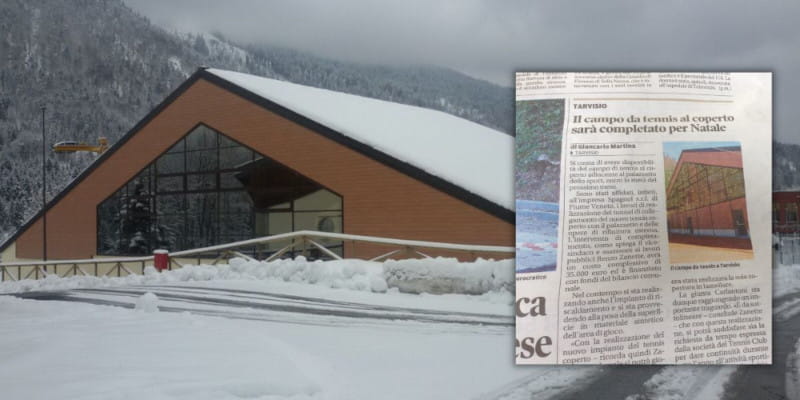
(37,269)
(302,242)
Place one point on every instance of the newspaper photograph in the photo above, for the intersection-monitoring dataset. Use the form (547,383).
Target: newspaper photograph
(643,207)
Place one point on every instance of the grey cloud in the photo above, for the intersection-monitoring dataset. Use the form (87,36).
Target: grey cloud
(492,39)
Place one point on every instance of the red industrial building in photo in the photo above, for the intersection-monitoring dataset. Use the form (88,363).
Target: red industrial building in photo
(706,203)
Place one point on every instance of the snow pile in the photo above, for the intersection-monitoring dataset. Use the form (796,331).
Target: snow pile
(785,280)
(786,265)
(434,275)
(687,382)
(147,302)
(338,274)
(448,275)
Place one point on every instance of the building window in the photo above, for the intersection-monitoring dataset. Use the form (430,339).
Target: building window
(700,185)
(739,224)
(791,213)
(704,191)
(207,189)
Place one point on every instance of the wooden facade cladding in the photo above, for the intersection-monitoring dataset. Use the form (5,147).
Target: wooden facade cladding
(378,200)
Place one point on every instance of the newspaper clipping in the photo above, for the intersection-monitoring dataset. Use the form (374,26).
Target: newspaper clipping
(643,218)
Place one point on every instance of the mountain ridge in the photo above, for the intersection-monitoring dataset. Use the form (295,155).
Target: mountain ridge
(99,67)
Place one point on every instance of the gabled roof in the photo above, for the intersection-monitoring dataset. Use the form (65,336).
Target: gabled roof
(471,156)
(464,159)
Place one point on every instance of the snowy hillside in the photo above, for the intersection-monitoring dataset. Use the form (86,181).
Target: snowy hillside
(99,67)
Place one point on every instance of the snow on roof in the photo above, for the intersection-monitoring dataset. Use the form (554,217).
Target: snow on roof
(469,155)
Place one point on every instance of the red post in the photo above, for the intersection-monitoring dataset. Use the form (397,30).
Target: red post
(161,259)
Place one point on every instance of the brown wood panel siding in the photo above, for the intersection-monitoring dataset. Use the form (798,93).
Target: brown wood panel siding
(378,200)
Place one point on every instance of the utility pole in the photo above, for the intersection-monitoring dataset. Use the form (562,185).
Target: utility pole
(44,193)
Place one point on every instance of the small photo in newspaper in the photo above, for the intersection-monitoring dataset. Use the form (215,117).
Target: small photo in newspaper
(706,202)
(538,174)
(643,218)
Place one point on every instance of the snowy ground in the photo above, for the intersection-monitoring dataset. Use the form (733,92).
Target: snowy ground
(537,236)
(778,381)
(786,280)
(303,332)
(233,332)
(686,382)
(89,351)
(787,287)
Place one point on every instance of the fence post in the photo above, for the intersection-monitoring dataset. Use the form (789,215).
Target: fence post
(161,259)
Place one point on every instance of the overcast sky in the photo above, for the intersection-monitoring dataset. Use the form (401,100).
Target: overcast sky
(492,39)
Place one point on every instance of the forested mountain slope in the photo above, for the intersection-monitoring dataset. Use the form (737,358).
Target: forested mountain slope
(98,67)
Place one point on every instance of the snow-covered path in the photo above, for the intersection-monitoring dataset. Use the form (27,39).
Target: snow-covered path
(225,336)
(247,304)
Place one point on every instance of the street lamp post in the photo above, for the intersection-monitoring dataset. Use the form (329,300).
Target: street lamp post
(44,194)
(59,148)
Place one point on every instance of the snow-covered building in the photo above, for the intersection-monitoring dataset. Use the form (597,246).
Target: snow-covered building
(230,156)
